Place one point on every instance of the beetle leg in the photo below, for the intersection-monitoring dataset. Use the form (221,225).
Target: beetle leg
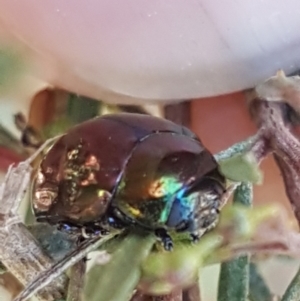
(87,232)
(30,137)
(116,219)
(195,237)
(195,234)
(115,223)
(84,233)
(165,238)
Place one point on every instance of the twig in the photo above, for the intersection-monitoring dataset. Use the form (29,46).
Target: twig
(274,127)
(19,251)
(47,276)
(75,290)
(276,132)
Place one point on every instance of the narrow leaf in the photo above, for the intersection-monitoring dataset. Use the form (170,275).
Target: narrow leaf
(233,284)
(258,290)
(116,280)
(234,275)
(75,289)
(242,168)
(164,272)
(293,291)
(238,148)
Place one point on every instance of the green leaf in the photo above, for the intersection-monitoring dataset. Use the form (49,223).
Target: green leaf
(242,168)
(238,148)
(162,272)
(234,275)
(292,293)
(116,280)
(258,290)
(243,195)
(239,222)
(233,284)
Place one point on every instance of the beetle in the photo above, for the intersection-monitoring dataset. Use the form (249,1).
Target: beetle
(122,170)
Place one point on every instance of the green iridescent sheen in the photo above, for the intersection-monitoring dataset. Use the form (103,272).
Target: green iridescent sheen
(169,185)
(155,205)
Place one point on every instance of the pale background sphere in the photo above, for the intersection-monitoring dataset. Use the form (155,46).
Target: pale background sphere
(154,50)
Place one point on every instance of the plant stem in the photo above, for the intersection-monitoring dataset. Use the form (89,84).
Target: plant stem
(235,149)
(276,131)
(75,290)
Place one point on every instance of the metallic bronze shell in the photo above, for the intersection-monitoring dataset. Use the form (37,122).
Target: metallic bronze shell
(139,164)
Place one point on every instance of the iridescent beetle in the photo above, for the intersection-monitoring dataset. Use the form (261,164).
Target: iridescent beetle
(121,170)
